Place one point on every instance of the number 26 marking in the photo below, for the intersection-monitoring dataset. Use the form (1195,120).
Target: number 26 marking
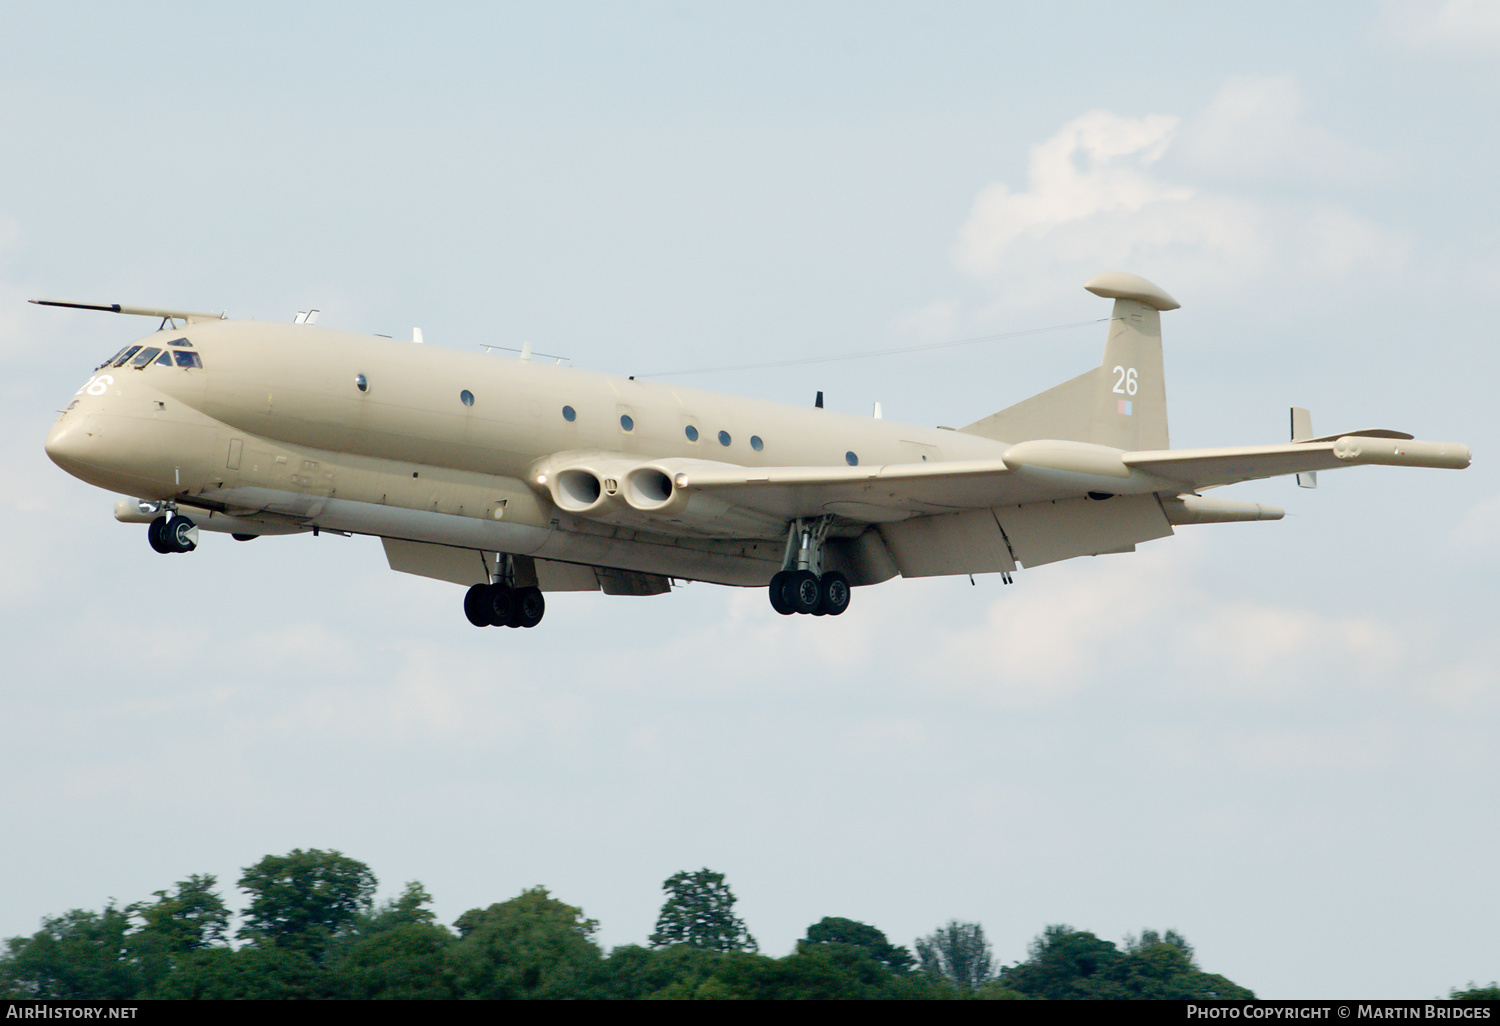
(1126,385)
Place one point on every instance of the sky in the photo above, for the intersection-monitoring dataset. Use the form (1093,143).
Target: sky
(1275,738)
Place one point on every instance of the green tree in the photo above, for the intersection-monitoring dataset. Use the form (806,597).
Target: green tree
(75,956)
(957,952)
(1473,993)
(408,961)
(835,930)
(1066,963)
(532,946)
(191,919)
(700,912)
(302,900)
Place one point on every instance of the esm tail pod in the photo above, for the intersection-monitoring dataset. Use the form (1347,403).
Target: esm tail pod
(1122,403)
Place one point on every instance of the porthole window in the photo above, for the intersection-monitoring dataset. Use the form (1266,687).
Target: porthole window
(851,459)
(756,443)
(361,382)
(627,423)
(691,432)
(724,438)
(569,414)
(466,397)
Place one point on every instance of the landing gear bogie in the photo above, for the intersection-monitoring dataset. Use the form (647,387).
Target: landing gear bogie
(801,586)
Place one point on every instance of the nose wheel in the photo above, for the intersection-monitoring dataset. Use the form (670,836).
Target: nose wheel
(803,587)
(179,534)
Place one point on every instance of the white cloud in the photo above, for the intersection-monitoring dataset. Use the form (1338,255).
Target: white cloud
(1099,197)
(1445,26)
(1255,128)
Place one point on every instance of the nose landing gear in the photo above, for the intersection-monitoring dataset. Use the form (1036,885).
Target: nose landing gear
(802,586)
(179,534)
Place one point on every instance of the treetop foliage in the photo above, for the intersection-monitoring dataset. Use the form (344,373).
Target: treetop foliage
(302,900)
(311,929)
(700,913)
(958,953)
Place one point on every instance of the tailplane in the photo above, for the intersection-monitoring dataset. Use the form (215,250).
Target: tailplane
(1122,403)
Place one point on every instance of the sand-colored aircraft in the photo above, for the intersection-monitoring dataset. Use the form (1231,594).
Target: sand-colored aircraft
(518,477)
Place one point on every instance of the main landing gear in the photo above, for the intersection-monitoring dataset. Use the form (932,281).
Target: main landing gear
(803,586)
(179,534)
(502,604)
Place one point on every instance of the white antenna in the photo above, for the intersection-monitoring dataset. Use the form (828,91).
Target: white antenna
(416,335)
(312,316)
(301,317)
(877,411)
(525,350)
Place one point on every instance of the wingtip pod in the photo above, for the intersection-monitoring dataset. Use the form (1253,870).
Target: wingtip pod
(1120,285)
(1395,452)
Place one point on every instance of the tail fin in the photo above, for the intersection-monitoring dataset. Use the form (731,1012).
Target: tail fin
(1122,403)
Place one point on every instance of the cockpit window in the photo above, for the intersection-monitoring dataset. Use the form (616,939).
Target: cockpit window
(165,359)
(145,357)
(186,359)
(127,354)
(112,359)
(180,342)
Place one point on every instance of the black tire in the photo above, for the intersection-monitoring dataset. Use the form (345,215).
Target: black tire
(244,537)
(834,590)
(156,534)
(530,607)
(476,606)
(501,606)
(778,597)
(177,535)
(802,591)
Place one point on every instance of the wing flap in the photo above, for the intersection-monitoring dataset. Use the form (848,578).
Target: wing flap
(869,494)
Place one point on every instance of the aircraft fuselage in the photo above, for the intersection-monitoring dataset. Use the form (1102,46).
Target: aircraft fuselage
(292,426)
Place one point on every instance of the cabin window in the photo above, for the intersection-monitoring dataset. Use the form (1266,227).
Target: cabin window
(569,414)
(466,397)
(187,359)
(851,459)
(724,438)
(361,382)
(691,432)
(145,357)
(627,423)
(165,359)
(127,354)
(756,443)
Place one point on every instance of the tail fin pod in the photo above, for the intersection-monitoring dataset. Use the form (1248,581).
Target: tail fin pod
(1122,403)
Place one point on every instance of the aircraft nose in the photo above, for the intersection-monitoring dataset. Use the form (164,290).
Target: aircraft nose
(70,442)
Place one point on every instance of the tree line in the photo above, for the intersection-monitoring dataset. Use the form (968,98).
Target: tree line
(312,929)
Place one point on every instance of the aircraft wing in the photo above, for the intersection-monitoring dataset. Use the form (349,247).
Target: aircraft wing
(1043,471)
(1209,468)
(1042,479)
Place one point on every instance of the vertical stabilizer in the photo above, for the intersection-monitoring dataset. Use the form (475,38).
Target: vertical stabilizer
(1122,402)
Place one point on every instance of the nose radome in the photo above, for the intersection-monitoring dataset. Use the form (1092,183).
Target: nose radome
(69,441)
